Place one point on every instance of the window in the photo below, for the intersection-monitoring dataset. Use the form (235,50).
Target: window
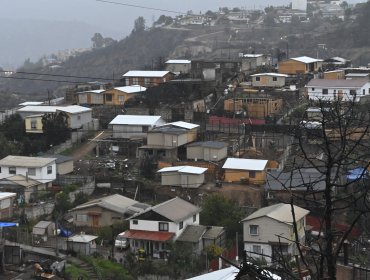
(127,80)
(253,229)
(252,174)
(0,169)
(258,79)
(108,97)
(325,91)
(352,92)
(135,222)
(163,226)
(369,90)
(145,129)
(12,170)
(135,81)
(81,218)
(181,225)
(147,81)
(363,92)
(194,216)
(32,171)
(274,79)
(79,117)
(313,89)
(121,99)
(50,169)
(33,124)
(257,249)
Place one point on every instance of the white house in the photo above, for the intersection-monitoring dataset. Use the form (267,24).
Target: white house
(41,169)
(182,66)
(152,229)
(274,80)
(6,204)
(338,90)
(182,176)
(269,231)
(78,116)
(128,126)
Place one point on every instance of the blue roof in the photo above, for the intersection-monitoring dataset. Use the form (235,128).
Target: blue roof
(7,224)
(357,173)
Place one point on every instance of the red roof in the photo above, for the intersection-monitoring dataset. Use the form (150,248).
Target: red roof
(317,224)
(161,236)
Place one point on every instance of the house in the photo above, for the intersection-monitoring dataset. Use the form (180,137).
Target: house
(268,80)
(337,90)
(147,78)
(42,230)
(182,176)
(269,231)
(357,76)
(251,62)
(119,95)
(207,150)
(258,108)
(166,140)
(154,228)
(26,189)
(336,62)
(334,74)
(40,169)
(306,184)
(64,164)
(106,211)
(82,244)
(199,237)
(299,65)
(90,97)
(131,126)
(182,66)
(218,71)
(78,116)
(7,200)
(252,171)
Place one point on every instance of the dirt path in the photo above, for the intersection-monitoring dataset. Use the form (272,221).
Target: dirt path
(89,146)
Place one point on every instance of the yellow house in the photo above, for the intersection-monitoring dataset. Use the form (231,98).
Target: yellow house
(252,171)
(119,95)
(299,65)
(33,124)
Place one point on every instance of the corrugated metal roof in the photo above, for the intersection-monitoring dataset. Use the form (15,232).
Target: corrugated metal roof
(270,74)
(213,232)
(28,103)
(340,83)
(362,75)
(116,203)
(209,144)
(21,161)
(4,195)
(192,233)
(178,61)
(184,169)
(252,55)
(135,120)
(92,91)
(72,109)
(22,181)
(245,164)
(43,224)
(131,89)
(147,74)
(306,59)
(182,124)
(58,158)
(160,236)
(82,238)
(281,212)
(222,274)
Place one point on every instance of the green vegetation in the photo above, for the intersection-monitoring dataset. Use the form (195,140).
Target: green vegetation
(108,270)
(73,272)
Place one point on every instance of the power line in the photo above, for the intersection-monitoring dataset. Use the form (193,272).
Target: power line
(42,80)
(57,75)
(141,7)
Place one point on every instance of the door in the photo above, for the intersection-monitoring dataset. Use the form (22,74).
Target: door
(88,98)
(95,221)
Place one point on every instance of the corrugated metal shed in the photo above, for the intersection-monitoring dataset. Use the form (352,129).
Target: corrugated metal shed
(306,59)
(184,169)
(82,238)
(21,161)
(135,120)
(245,164)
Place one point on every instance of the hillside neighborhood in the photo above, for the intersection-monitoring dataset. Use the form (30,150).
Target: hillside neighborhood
(250,166)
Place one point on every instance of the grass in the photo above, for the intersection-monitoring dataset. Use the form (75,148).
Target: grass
(74,272)
(108,269)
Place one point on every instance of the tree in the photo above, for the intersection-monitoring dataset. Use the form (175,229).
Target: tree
(98,41)
(338,143)
(56,128)
(139,25)
(220,211)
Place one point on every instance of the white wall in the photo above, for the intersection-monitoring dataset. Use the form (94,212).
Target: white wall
(315,93)
(265,249)
(41,173)
(78,120)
